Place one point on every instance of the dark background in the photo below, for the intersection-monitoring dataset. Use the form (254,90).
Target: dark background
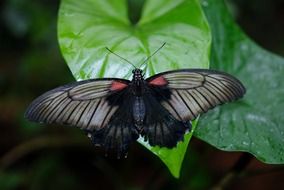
(51,157)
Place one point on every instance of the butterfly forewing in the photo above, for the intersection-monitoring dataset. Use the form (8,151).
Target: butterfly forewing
(195,91)
(82,104)
(90,90)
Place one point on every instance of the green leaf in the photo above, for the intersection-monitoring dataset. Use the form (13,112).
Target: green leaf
(86,27)
(173,158)
(254,124)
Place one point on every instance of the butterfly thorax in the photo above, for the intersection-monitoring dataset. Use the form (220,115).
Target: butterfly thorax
(138,82)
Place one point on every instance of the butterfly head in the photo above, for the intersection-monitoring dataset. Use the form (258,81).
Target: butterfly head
(137,75)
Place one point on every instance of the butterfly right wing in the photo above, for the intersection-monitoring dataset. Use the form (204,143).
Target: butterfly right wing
(82,104)
(188,93)
(177,97)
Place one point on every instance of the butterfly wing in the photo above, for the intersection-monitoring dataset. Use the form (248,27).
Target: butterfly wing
(120,130)
(160,127)
(83,104)
(189,92)
(98,106)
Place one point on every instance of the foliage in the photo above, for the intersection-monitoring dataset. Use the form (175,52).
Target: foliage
(87,27)
(254,124)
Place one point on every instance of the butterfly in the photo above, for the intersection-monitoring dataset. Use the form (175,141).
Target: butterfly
(114,111)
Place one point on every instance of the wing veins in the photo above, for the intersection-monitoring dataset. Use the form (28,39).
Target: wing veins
(232,81)
(236,90)
(42,110)
(185,102)
(194,104)
(98,104)
(58,102)
(63,109)
(165,99)
(196,101)
(82,113)
(88,93)
(220,101)
(43,102)
(76,106)
(211,105)
(111,107)
(217,83)
(220,90)
(169,103)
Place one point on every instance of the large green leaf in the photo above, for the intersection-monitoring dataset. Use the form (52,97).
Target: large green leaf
(86,27)
(255,124)
(173,158)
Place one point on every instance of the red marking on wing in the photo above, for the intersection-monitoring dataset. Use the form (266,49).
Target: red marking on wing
(115,85)
(159,81)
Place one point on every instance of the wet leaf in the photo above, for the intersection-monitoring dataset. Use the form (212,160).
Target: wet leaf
(254,124)
(86,27)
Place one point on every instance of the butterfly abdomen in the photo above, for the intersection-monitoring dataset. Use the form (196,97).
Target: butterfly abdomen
(138,110)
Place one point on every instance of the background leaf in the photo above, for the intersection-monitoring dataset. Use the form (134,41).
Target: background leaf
(255,124)
(86,27)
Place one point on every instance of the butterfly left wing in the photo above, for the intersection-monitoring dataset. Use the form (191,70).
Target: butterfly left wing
(98,106)
(189,92)
(82,104)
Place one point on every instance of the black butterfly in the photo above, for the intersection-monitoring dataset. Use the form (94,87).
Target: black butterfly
(114,112)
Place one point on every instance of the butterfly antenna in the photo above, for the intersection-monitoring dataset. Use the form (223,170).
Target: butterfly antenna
(147,59)
(121,57)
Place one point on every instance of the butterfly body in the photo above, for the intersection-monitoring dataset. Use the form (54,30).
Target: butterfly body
(114,112)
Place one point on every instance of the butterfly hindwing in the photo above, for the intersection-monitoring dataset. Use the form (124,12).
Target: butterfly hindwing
(194,91)
(120,131)
(83,104)
(160,127)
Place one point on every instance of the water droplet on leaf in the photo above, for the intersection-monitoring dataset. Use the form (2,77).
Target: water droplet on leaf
(244,47)
(205,3)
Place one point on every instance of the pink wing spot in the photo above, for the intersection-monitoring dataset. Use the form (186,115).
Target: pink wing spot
(115,85)
(159,81)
